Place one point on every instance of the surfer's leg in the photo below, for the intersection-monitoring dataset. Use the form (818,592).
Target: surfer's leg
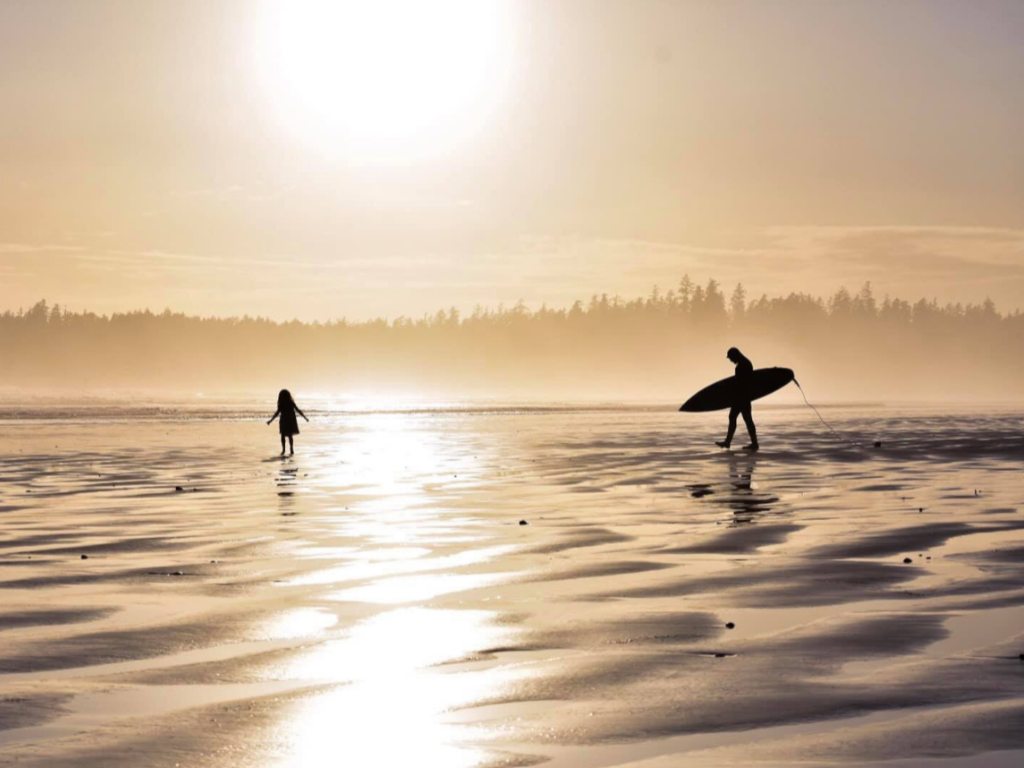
(748,419)
(733,413)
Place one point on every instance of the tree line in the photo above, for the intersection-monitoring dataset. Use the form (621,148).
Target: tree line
(659,347)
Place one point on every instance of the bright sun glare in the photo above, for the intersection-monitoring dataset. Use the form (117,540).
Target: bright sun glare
(384,80)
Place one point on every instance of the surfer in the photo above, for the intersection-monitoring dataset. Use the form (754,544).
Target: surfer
(741,405)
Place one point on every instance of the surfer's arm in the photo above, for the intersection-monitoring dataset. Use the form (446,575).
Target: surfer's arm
(276,414)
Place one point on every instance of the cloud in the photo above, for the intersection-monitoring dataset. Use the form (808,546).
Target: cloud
(909,254)
(965,264)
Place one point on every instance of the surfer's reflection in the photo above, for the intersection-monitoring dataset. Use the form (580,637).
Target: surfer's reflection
(743,498)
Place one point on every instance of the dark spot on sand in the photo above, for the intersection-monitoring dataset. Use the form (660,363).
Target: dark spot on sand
(178,488)
(730,625)
(878,443)
(84,557)
(523,522)
(907,560)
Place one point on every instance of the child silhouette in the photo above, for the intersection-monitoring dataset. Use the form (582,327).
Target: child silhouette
(289,425)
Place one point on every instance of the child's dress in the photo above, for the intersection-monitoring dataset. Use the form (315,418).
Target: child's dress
(288,423)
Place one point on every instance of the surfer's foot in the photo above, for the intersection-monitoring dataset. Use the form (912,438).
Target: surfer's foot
(721,443)
(752,447)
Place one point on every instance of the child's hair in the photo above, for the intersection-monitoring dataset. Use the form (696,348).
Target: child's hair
(284,399)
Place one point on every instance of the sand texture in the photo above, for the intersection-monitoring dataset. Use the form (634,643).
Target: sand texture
(174,593)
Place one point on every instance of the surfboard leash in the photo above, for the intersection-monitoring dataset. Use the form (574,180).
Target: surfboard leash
(828,426)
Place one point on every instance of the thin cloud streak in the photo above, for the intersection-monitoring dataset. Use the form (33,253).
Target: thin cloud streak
(949,263)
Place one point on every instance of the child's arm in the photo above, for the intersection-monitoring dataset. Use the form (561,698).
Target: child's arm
(276,414)
(301,413)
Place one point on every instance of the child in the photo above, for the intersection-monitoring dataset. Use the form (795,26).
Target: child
(286,409)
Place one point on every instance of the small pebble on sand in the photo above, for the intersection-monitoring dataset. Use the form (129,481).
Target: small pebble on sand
(523,522)
(729,625)
(178,488)
(907,560)
(85,557)
(878,443)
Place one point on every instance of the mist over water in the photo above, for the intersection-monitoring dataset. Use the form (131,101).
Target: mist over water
(850,347)
(791,432)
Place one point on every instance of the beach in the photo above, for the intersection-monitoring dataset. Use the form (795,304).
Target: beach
(506,585)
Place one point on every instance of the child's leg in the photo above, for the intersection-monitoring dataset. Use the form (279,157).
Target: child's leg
(291,444)
(282,445)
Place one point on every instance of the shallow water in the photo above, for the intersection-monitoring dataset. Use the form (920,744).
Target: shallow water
(375,599)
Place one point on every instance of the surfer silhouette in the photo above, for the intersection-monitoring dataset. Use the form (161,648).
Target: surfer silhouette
(289,425)
(741,405)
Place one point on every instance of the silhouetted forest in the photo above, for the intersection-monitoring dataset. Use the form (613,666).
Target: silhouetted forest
(849,346)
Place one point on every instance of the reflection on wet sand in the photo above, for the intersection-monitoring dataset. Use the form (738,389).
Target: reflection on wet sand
(657,595)
(286,482)
(745,500)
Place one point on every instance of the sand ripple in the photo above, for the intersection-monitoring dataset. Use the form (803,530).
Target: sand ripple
(506,586)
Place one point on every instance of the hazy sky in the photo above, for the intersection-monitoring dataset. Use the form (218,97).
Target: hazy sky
(313,160)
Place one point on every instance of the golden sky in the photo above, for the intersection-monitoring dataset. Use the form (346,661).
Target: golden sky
(318,159)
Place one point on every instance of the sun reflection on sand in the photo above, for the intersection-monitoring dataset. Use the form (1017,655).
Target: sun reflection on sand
(300,622)
(406,589)
(392,699)
(395,454)
(370,565)
(393,710)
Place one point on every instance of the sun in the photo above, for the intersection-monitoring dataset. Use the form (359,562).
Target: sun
(383,80)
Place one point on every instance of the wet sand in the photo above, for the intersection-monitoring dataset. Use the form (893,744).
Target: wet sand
(173,593)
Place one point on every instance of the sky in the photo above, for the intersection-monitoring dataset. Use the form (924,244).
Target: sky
(318,160)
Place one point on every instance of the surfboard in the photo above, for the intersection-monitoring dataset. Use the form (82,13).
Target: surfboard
(722,394)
